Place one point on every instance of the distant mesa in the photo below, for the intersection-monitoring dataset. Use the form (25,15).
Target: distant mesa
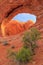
(14,27)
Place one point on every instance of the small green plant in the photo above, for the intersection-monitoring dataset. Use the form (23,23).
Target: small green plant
(24,55)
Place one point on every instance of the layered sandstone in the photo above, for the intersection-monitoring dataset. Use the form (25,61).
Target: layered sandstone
(14,27)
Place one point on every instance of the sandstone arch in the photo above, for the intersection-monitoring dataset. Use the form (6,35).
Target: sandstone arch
(9,8)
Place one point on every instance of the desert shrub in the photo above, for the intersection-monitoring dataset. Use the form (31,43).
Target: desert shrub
(30,38)
(27,39)
(24,55)
(35,34)
(11,57)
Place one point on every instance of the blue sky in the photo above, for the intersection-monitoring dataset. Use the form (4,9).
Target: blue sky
(23,17)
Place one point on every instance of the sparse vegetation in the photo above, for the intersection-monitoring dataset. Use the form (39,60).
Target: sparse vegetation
(35,34)
(11,54)
(25,54)
(30,38)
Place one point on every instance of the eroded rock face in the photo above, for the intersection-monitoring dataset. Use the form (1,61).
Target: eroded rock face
(14,27)
(8,6)
(28,24)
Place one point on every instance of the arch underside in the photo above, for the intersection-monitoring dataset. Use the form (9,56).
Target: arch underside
(11,8)
(25,9)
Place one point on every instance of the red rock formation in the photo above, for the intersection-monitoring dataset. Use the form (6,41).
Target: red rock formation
(28,24)
(14,7)
(14,27)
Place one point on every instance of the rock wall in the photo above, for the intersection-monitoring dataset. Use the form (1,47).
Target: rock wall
(14,27)
(7,7)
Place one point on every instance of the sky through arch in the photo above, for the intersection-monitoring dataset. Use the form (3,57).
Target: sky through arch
(23,17)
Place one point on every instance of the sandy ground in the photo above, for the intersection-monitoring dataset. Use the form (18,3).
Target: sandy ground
(17,43)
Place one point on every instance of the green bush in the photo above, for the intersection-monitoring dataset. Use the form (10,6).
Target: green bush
(27,39)
(30,38)
(35,34)
(24,55)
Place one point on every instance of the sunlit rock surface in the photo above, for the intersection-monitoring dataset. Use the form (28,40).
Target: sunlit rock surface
(14,27)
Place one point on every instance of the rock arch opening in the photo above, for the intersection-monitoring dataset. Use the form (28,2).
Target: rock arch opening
(18,24)
(24,17)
